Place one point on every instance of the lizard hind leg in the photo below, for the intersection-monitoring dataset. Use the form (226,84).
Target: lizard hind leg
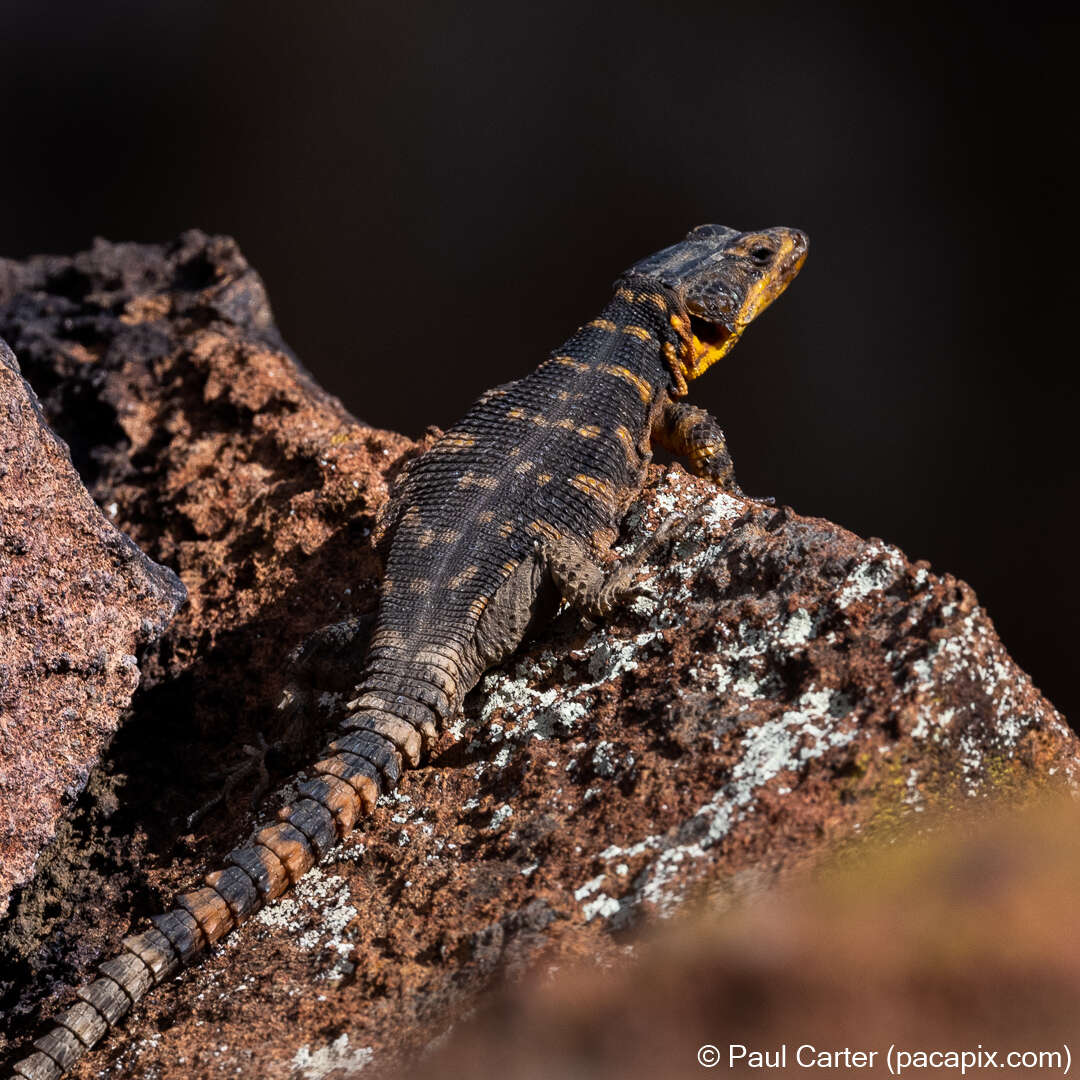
(583,582)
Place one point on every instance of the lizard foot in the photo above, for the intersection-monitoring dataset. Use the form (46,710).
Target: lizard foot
(255,764)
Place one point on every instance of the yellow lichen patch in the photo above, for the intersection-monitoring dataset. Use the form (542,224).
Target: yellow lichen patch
(637,331)
(588,431)
(620,372)
(466,575)
(602,324)
(594,487)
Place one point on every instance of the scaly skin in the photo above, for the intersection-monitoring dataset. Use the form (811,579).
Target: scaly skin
(513,508)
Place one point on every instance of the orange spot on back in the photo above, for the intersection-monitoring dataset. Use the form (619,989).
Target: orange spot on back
(643,388)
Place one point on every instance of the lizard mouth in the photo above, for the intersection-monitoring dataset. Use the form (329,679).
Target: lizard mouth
(710,342)
(708,334)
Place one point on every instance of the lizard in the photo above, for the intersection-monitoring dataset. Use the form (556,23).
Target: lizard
(511,511)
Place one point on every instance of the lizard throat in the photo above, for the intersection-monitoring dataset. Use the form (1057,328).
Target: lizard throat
(701,344)
(708,343)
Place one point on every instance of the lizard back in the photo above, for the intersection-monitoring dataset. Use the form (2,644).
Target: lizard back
(556,455)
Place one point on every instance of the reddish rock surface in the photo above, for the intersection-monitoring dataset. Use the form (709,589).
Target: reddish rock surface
(77,601)
(785,691)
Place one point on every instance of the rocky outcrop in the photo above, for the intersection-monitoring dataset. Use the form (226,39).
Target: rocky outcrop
(77,600)
(782,690)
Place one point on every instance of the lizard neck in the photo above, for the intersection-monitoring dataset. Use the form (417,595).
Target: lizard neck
(633,338)
(640,304)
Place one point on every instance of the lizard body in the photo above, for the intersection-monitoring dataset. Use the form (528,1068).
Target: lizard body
(512,509)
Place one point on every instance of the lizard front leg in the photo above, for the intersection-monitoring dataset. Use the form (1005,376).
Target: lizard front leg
(696,435)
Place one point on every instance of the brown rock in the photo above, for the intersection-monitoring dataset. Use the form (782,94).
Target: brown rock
(787,689)
(77,600)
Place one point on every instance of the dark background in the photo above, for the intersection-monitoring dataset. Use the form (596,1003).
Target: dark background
(437,194)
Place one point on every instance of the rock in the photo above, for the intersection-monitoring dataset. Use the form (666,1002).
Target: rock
(785,691)
(951,942)
(77,600)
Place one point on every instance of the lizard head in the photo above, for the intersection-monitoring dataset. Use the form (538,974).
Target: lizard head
(723,279)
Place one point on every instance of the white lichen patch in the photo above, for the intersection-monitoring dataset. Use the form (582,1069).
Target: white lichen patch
(879,569)
(798,630)
(988,720)
(315,1064)
(315,915)
(783,744)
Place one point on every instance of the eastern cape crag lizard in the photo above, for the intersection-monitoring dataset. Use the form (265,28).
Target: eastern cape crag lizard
(512,509)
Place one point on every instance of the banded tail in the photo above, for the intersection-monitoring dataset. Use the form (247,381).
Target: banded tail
(360,764)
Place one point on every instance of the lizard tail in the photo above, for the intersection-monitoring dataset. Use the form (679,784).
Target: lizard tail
(360,764)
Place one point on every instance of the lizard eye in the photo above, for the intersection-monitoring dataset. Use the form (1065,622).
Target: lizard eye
(761,255)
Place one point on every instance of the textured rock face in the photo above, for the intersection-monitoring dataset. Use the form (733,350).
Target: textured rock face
(77,600)
(784,690)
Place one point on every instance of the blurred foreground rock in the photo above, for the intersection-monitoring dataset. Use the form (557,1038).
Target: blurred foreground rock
(787,690)
(77,600)
(956,944)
